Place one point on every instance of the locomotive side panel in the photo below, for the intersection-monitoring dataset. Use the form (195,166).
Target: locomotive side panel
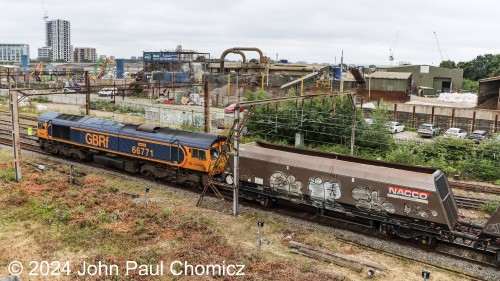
(146,149)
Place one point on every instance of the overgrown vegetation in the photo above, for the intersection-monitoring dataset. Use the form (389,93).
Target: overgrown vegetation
(118,108)
(40,99)
(483,66)
(321,122)
(470,86)
(474,161)
(490,208)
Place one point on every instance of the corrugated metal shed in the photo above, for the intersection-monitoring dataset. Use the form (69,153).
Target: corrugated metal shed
(488,93)
(390,75)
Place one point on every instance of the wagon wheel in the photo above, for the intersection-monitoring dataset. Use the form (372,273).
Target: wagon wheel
(149,174)
(266,202)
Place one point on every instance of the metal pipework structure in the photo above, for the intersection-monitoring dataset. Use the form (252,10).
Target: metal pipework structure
(236,50)
(243,57)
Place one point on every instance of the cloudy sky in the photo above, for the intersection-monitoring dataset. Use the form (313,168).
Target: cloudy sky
(311,31)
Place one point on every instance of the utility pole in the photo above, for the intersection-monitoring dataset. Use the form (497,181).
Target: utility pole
(16,141)
(341,72)
(87,93)
(207,106)
(353,122)
(236,149)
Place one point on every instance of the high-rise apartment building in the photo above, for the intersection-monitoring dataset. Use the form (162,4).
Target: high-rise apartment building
(13,52)
(84,54)
(58,36)
(45,53)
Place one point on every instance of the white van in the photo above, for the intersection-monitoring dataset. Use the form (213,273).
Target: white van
(105,92)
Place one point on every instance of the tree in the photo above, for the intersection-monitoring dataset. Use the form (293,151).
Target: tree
(483,66)
(448,64)
(470,86)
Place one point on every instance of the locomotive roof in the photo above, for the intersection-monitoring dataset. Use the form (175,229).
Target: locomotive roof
(403,175)
(143,131)
(169,135)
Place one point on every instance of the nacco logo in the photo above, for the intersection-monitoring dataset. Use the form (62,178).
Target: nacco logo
(410,194)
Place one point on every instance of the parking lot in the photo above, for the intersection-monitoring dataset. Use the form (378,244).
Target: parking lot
(406,135)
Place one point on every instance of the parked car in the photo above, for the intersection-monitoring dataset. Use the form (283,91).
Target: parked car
(455,133)
(396,127)
(428,130)
(104,92)
(369,121)
(69,90)
(479,135)
(231,108)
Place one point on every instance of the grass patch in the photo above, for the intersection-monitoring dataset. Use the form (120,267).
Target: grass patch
(490,208)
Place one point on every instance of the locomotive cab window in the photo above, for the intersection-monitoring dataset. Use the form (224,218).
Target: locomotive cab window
(200,154)
(214,153)
(40,125)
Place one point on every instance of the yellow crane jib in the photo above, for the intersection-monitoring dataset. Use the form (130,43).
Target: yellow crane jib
(39,67)
(103,64)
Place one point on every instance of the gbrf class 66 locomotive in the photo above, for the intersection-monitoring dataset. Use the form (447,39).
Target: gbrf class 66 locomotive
(163,152)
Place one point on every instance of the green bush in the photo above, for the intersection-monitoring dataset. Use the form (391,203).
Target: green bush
(119,108)
(490,208)
(482,169)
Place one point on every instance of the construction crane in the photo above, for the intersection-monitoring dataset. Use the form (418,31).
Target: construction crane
(39,75)
(45,13)
(101,65)
(393,48)
(439,47)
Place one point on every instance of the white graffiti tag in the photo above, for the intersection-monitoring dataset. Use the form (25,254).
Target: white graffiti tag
(370,200)
(281,182)
(492,228)
(324,190)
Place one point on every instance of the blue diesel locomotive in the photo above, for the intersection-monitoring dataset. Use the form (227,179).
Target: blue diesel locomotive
(158,151)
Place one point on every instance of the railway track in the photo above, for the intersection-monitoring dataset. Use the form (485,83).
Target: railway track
(472,203)
(410,259)
(5,113)
(475,187)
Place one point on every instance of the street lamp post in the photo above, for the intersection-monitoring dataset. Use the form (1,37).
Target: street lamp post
(369,86)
